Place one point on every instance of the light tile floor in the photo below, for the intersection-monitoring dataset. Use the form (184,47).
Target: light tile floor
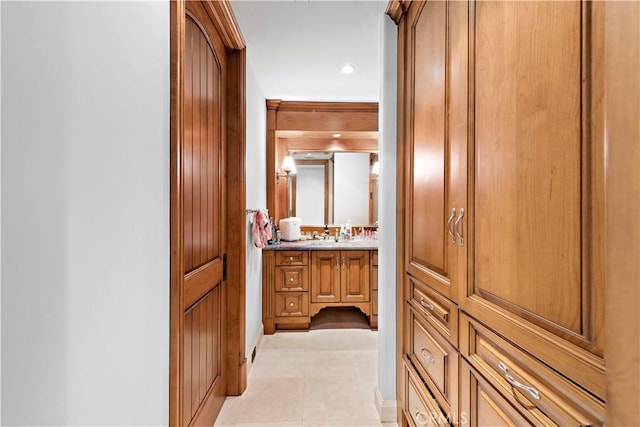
(317,378)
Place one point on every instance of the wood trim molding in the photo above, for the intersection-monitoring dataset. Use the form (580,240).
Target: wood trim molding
(396,9)
(222,15)
(622,208)
(176,275)
(340,107)
(236,380)
(294,118)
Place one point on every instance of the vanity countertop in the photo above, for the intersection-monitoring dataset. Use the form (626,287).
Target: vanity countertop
(324,245)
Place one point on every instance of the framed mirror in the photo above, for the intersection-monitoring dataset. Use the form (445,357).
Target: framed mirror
(335,188)
(335,145)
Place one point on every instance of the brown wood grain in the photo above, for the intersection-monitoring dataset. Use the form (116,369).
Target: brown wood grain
(325,276)
(355,281)
(307,126)
(621,24)
(200,125)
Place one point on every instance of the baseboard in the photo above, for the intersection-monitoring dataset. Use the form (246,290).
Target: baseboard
(387,409)
(256,345)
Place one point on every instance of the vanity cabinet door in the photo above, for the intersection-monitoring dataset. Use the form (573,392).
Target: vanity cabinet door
(325,276)
(354,283)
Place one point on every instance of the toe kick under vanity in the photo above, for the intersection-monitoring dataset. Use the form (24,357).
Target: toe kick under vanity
(301,278)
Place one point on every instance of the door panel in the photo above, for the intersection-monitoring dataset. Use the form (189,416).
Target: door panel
(528,159)
(355,276)
(534,184)
(325,276)
(429,153)
(203,212)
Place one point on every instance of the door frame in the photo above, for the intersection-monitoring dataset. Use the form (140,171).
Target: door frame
(233,356)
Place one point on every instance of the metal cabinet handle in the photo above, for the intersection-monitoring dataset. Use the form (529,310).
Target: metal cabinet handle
(426,304)
(514,382)
(453,236)
(457,227)
(290,258)
(428,356)
(291,279)
(290,304)
(421,417)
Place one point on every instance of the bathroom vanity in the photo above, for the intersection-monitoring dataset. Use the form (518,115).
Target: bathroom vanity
(301,278)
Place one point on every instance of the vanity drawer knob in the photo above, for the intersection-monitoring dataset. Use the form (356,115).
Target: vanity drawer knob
(290,304)
(291,279)
(290,258)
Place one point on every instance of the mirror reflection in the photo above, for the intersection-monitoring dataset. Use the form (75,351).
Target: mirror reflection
(335,188)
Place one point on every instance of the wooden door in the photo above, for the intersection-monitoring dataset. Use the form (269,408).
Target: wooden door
(432,212)
(325,276)
(354,280)
(536,177)
(203,201)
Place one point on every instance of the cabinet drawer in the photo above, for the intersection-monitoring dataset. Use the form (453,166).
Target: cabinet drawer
(292,258)
(436,360)
(292,304)
(541,394)
(437,310)
(292,279)
(420,408)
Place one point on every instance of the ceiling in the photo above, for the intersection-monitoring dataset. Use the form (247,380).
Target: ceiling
(297,48)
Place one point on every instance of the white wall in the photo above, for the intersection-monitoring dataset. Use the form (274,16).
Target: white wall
(85,197)
(0,214)
(310,194)
(387,235)
(351,188)
(256,163)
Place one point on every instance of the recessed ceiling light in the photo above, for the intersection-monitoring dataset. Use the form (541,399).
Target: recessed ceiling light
(348,69)
(336,135)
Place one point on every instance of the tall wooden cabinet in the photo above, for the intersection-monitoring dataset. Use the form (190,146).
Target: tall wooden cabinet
(502,162)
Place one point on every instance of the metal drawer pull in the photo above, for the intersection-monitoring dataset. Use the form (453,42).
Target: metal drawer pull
(514,382)
(453,236)
(426,304)
(291,279)
(290,304)
(290,258)
(457,227)
(421,417)
(428,356)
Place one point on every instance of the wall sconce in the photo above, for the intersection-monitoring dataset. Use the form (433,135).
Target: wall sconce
(289,168)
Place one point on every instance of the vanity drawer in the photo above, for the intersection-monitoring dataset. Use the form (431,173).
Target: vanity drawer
(436,309)
(541,394)
(292,279)
(292,304)
(436,360)
(419,407)
(292,258)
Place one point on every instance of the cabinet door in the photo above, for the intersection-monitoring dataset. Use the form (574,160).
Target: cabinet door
(481,405)
(354,284)
(536,178)
(430,247)
(325,276)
